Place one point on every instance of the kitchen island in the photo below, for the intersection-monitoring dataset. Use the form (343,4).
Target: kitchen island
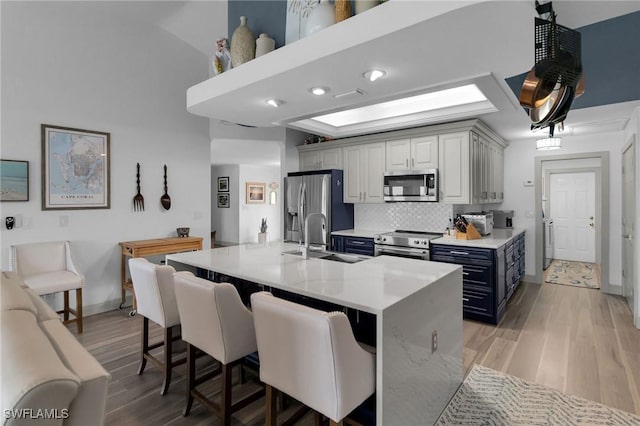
(417,308)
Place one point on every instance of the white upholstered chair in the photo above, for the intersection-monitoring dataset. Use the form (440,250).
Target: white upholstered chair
(312,356)
(156,301)
(48,268)
(215,321)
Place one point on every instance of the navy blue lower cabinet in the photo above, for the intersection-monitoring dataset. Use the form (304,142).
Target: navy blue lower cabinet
(337,243)
(359,245)
(482,298)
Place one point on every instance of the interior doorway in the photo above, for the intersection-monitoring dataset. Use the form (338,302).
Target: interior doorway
(629,272)
(572,208)
(579,228)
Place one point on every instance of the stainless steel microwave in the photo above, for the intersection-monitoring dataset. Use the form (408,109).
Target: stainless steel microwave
(414,185)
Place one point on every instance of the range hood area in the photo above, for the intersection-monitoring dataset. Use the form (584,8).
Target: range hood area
(423,47)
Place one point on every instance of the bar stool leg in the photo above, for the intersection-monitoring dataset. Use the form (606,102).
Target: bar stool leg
(191,377)
(225,402)
(168,349)
(270,406)
(144,346)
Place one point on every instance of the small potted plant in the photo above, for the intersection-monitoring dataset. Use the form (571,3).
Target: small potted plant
(262,235)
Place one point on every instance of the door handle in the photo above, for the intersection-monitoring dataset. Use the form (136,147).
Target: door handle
(628,237)
(412,162)
(592,224)
(406,160)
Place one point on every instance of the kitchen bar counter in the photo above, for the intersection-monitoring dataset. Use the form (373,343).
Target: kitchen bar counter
(497,238)
(411,300)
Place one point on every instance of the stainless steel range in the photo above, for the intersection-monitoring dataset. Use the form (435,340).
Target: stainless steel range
(411,244)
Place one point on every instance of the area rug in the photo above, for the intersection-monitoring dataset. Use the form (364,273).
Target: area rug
(488,397)
(577,274)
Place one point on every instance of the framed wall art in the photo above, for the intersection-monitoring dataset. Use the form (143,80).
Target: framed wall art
(223,184)
(75,169)
(256,192)
(223,201)
(14,180)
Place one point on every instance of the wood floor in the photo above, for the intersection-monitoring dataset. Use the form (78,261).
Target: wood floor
(577,340)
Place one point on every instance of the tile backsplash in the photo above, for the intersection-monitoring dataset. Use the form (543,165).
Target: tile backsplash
(427,217)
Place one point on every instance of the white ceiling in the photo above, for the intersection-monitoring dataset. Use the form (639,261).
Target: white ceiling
(423,45)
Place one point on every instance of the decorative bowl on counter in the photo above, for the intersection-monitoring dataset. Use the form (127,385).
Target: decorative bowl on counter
(183,232)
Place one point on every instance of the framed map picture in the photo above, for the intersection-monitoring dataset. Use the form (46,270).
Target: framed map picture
(14,180)
(75,169)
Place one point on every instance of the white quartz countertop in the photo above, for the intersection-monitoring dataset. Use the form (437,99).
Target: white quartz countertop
(372,285)
(497,238)
(361,233)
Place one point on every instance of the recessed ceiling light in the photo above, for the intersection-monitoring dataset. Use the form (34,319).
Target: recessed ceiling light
(274,102)
(319,91)
(373,75)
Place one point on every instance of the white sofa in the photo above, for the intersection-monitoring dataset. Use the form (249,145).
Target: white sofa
(47,376)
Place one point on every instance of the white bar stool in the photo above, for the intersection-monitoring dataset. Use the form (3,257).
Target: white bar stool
(215,321)
(156,301)
(312,356)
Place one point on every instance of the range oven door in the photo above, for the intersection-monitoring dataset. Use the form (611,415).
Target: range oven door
(412,253)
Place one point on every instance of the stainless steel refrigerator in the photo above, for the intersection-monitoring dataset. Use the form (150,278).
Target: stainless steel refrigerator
(318,191)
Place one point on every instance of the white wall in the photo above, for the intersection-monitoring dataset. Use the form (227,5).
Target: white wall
(67,64)
(633,128)
(519,162)
(226,221)
(251,214)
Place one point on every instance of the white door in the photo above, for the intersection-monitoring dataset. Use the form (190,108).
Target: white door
(398,153)
(572,208)
(372,183)
(453,153)
(424,153)
(628,215)
(352,170)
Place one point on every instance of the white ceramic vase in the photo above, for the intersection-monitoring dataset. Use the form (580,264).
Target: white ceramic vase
(321,16)
(243,44)
(264,44)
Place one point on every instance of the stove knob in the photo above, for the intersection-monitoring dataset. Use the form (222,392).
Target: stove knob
(384,239)
(425,242)
(416,242)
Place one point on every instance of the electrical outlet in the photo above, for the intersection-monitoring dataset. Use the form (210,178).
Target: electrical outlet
(434,341)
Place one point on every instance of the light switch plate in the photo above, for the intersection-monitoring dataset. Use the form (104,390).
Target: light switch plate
(527,182)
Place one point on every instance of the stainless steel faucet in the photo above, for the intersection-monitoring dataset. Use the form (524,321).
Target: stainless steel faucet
(304,250)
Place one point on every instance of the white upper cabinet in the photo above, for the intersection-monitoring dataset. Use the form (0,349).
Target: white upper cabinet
(455,168)
(471,169)
(412,154)
(364,173)
(330,158)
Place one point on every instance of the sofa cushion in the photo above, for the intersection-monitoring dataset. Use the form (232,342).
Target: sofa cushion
(53,282)
(32,374)
(44,311)
(13,296)
(89,405)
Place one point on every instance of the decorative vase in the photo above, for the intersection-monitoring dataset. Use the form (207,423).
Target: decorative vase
(264,44)
(243,44)
(362,5)
(321,16)
(262,237)
(343,10)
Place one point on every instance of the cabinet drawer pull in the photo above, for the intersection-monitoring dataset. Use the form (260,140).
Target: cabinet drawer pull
(406,162)
(360,243)
(459,252)
(464,299)
(465,273)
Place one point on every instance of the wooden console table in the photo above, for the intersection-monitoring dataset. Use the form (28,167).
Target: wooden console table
(142,248)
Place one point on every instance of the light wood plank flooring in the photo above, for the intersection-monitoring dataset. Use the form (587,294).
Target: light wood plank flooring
(577,340)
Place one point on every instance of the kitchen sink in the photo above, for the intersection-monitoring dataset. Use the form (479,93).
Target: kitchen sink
(329,255)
